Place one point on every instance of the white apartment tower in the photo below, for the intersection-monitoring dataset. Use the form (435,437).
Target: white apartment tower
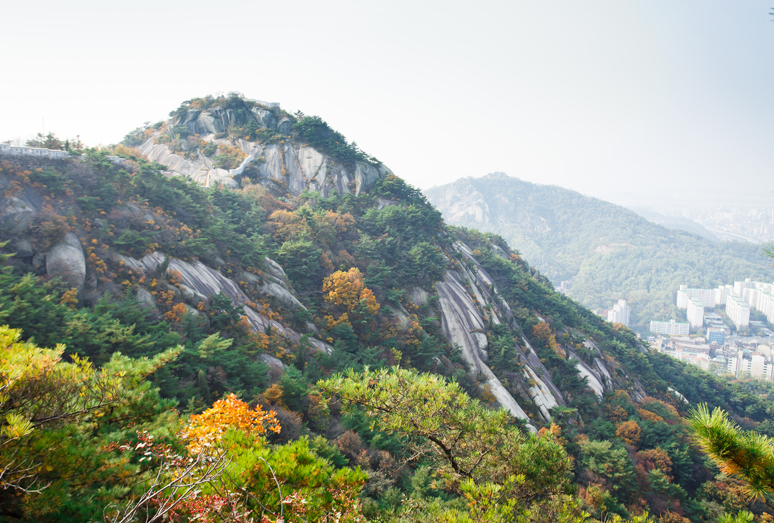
(620,313)
(722,293)
(670,328)
(738,311)
(705,296)
(695,312)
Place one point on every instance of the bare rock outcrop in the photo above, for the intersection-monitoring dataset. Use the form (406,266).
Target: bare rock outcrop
(284,168)
(66,260)
(460,202)
(205,282)
(464,325)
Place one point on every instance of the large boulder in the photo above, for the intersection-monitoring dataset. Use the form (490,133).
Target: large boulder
(66,260)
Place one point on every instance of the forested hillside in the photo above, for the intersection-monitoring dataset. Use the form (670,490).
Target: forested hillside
(242,352)
(608,252)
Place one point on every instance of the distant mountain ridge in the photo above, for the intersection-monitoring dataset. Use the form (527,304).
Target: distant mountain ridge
(676,222)
(608,251)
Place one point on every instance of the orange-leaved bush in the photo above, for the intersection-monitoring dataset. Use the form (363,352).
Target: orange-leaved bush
(206,429)
(347,290)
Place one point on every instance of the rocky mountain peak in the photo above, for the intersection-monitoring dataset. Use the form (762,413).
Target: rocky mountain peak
(225,140)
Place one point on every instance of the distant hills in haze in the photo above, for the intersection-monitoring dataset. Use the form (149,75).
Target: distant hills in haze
(607,251)
(676,222)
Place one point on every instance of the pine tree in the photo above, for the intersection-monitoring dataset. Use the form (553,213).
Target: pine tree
(746,455)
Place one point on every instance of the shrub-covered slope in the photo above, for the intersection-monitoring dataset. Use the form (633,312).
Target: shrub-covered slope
(266,295)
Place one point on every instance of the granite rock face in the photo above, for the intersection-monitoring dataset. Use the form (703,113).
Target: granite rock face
(200,283)
(469,300)
(66,260)
(464,325)
(460,202)
(288,167)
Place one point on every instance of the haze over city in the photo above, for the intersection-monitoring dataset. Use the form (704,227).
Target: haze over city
(602,96)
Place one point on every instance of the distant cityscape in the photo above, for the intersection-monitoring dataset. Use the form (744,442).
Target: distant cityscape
(726,339)
(745,217)
(754,225)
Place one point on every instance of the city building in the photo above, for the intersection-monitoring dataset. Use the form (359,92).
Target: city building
(722,293)
(716,336)
(714,321)
(36,152)
(620,313)
(738,311)
(733,365)
(670,328)
(705,296)
(694,312)
(20,151)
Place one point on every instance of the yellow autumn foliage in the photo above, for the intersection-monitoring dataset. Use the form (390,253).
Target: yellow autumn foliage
(347,289)
(206,429)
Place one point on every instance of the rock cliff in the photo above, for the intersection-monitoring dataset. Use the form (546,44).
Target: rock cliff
(280,161)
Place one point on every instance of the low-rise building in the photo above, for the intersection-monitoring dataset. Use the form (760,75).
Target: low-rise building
(36,152)
(18,150)
(670,328)
(716,336)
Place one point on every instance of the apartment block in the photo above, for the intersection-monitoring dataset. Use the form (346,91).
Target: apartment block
(670,328)
(620,313)
(705,296)
(738,311)
(695,312)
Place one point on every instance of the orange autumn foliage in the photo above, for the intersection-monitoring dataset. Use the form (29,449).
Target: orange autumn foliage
(206,429)
(542,331)
(656,459)
(177,313)
(629,432)
(347,289)
(288,225)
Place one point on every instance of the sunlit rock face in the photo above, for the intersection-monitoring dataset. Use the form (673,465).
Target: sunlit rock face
(461,294)
(285,168)
(460,202)
(66,260)
(200,283)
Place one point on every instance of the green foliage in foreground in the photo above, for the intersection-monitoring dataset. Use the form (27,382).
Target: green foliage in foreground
(462,438)
(745,454)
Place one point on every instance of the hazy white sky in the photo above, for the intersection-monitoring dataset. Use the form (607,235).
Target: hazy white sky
(593,95)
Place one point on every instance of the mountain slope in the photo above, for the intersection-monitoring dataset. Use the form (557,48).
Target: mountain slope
(607,251)
(267,293)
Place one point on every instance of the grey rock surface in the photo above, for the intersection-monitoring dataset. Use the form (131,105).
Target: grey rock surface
(463,325)
(460,202)
(23,248)
(203,283)
(66,260)
(284,168)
